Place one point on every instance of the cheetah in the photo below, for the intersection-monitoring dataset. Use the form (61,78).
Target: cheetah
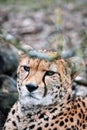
(45,99)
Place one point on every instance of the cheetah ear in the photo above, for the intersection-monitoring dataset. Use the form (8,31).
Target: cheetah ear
(20,53)
(24,48)
(77,65)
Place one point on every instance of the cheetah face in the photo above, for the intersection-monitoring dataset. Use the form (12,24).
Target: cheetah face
(41,82)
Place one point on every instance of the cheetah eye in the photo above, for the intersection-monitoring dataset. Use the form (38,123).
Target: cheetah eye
(50,73)
(26,68)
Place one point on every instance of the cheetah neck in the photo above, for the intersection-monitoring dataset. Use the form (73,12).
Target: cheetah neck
(35,108)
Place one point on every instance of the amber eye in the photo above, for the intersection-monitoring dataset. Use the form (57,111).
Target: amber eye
(26,68)
(50,73)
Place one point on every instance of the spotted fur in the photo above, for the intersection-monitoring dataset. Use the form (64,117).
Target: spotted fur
(45,98)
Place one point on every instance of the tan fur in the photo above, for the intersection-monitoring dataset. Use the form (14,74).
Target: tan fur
(52,106)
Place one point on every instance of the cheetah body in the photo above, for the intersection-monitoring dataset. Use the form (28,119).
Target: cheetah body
(45,98)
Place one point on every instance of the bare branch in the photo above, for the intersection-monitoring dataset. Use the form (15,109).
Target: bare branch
(33,53)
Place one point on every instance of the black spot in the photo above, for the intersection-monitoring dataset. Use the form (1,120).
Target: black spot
(78,122)
(56,122)
(82,111)
(68,102)
(69,113)
(78,105)
(65,126)
(29,115)
(19,88)
(55,129)
(39,128)
(58,87)
(60,96)
(66,120)
(83,104)
(31,120)
(56,96)
(13,122)
(84,126)
(54,117)
(79,99)
(68,129)
(25,128)
(46,125)
(72,114)
(39,123)
(79,115)
(13,111)
(75,107)
(61,117)
(72,126)
(52,124)
(65,114)
(61,123)
(68,108)
(8,120)
(53,110)
(61,105)
(60,114)
(75,111)
(68,97)
(83,115)
(41,116)
(18,118)
(32,126)
(46,118)
(49,108)
(38,112)
(71,119)
(86,118)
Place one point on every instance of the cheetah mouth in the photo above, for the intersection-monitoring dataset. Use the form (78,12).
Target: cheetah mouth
(34,97)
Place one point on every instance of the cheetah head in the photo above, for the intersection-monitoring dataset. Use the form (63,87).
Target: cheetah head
(41,82)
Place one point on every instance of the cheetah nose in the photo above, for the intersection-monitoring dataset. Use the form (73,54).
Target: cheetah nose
(31,87)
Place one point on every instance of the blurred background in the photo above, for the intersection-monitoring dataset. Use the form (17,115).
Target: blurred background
(59,25)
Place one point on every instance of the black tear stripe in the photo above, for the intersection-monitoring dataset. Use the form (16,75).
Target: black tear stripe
(26,75)
(45,88)
(24,78)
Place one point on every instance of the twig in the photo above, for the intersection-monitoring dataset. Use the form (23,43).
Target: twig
(33,53)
